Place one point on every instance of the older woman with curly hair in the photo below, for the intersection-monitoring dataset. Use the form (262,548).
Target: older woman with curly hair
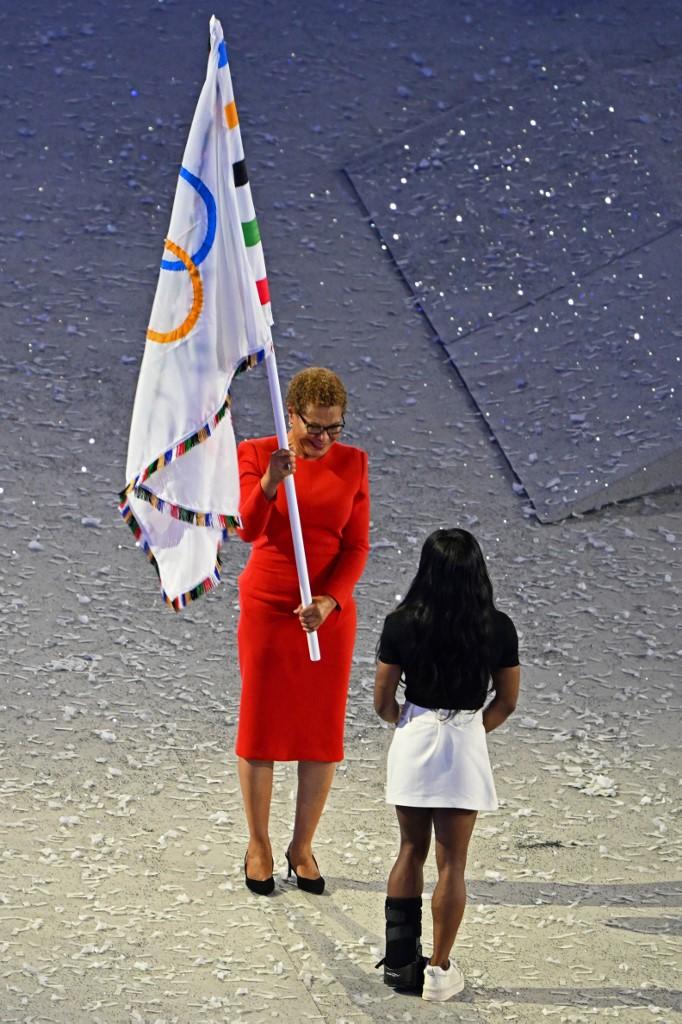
(293,709)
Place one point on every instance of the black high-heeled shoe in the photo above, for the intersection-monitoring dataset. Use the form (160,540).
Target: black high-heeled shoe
(260,886)
(312,885)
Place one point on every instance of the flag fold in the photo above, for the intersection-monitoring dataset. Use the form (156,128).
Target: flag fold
(210,319)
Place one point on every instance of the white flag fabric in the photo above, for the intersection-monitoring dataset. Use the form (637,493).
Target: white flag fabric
(210,318)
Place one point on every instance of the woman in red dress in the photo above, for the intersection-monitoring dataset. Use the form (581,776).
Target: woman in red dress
(293,709)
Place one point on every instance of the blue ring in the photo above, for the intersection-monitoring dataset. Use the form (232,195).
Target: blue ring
(202,252)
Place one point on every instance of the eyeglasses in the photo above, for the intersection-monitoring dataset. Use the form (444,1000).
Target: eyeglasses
(317,430)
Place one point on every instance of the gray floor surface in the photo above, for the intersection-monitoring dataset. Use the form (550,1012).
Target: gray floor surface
(121,895)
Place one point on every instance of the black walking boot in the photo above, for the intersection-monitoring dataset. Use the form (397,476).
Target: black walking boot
(403,963)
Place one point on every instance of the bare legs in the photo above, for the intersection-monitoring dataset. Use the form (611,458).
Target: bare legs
(255,779)
(314,781)
(452,828)
(406,879)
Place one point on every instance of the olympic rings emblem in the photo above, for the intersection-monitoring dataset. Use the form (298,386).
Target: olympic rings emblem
(190,263)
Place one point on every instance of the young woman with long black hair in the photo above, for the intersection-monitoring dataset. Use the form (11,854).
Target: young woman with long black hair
(447,641)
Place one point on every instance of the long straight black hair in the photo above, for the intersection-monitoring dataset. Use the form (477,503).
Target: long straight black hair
(450,603)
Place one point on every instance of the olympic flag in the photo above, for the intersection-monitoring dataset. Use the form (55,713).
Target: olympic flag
(210,318)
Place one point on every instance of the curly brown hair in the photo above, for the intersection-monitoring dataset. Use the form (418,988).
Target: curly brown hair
(315,386)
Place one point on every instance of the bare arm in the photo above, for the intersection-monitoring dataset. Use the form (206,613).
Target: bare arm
(385,685)
(506,684)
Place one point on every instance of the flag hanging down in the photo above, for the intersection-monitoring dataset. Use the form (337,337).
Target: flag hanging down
(210,318)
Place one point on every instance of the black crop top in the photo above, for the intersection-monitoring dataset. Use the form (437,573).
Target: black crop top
(397,642)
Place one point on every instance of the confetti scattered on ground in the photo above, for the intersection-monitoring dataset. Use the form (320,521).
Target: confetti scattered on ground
(121,888)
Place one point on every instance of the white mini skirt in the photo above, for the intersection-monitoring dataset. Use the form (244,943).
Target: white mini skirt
(440,759)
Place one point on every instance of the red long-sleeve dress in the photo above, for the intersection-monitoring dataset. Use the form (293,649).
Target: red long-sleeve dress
(293,709)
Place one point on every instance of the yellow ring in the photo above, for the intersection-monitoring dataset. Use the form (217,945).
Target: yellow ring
(197,302)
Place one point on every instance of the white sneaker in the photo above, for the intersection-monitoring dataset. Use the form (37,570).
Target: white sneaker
(439,985)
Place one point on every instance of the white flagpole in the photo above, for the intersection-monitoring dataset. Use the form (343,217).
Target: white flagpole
(292,503)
